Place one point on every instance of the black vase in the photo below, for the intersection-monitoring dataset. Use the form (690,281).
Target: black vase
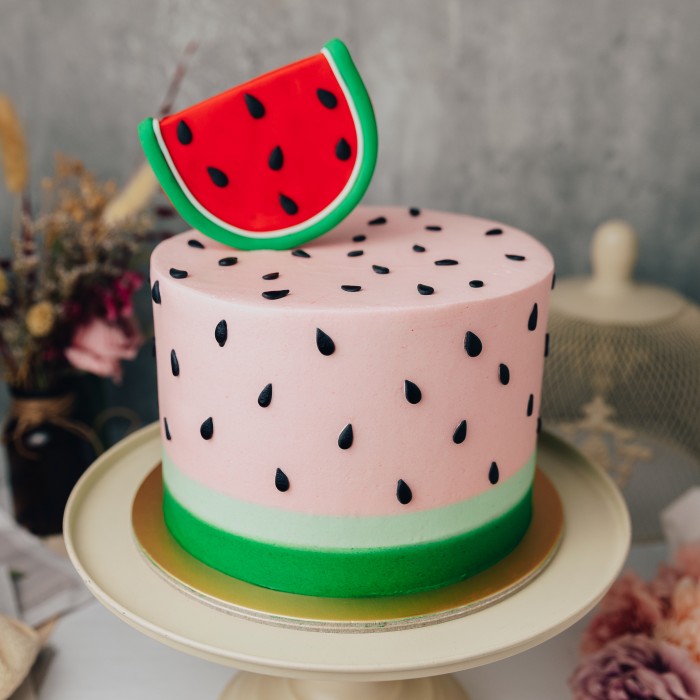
(48,450)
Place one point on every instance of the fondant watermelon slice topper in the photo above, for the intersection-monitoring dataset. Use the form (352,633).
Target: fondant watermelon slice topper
(274,162)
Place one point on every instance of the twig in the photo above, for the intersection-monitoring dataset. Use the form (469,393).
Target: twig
(174,87)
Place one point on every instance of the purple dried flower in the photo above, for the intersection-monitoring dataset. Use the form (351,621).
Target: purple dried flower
(635,667)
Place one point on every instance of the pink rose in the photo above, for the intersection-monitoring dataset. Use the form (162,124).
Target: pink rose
(682,626)
(635,667)
(628,607)
(98,347)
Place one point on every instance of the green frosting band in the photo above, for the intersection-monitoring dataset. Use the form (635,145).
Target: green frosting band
(349,573)
(305,530)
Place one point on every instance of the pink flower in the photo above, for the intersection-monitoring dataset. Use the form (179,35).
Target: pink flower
(682,626)
(117,300)
(687,559)
(99,346)
(629,607)
(635,667)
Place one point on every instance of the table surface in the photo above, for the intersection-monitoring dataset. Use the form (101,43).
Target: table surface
(98,656)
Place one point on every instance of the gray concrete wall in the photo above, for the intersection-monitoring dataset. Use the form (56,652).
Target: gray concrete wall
(547,114)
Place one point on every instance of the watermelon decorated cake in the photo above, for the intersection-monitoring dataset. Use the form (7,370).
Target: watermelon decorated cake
(357,416)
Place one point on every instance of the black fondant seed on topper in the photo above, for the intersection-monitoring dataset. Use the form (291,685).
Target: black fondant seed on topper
(419,248)
(350,287)
(494,232)
(227,262)
(276,159)
(221,333)
(476,284)
(414,211)
(433,228)
(194,243)
(324,343)
(378,221)
(380,269)
(206,430)
(299,253)
(359,238)
(178,274)
(511,256)
(445,262)
(403,492)
(271,276)
(265,396)
(460,433)
(425,289)
(174,364)
(288,204)
(346,437)
(342,150)
(530,404)
(356,253)
(327,98)
(255,107)
(218,177)
(472,344)
(503,374)
(493,473)
(412,392)
(184,133)
(167,429)
(546,344)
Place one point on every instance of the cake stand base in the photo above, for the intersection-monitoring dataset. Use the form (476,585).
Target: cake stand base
(254,686)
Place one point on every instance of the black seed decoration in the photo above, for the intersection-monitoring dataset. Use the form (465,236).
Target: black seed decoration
(218,177)
(445,262)
(530,404)
(275,294)
(539,425)
(472,344)
(345,437)
(419,248)
(178,274)
(378,221)
(289,205)
(342,150)
(281,481)
(271,276)
(433,228)
(494,232)
(299,253)
(380,270)
(174,364)
(460,433)
(255,107)
(403,492)
(476,284)
(276,159)
(324,343)
(414,211)
(493,473)
(221,333)
(155,292)
(206,430)
(168,436)
(532,321)
(184,133)
(194,243)
(327,98)
(359,238)
(413,393)
(515,257)
(503,374)
(425,289)
(265,396)
(546,345)
(554,279)
(227,262)
(355,253)
(350,287)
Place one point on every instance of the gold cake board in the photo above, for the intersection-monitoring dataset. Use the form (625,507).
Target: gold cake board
(253,602)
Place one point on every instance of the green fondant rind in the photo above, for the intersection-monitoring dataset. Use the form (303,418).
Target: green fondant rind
(349,573)
(295,529)
(367,125)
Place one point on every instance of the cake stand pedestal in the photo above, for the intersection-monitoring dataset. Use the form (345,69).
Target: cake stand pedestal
(301,664)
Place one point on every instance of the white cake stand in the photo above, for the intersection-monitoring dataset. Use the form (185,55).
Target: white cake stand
(298,664)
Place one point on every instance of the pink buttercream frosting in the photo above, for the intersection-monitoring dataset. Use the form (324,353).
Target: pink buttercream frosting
(384,334)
